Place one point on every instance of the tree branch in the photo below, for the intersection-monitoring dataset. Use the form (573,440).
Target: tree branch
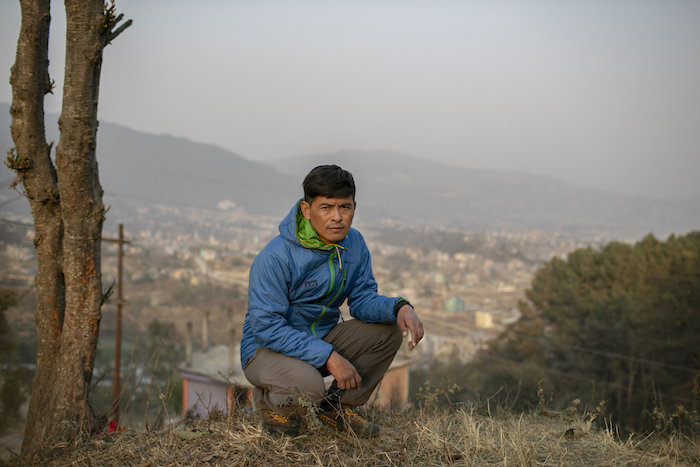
(113,35)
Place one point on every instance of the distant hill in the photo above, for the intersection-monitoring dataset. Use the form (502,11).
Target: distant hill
(179,171)
(160,168)
(419,190)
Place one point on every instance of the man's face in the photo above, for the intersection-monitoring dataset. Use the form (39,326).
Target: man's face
(330,217)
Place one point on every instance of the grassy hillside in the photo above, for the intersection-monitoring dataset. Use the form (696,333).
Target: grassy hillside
(416,437)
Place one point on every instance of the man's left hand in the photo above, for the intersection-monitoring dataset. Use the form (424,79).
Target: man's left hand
(408,321)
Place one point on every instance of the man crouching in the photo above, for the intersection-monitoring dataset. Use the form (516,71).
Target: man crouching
(292,336)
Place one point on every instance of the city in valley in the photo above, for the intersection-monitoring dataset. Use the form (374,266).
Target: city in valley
(185,265)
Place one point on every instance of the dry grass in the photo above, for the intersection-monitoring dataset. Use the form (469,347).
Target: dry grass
(409,438)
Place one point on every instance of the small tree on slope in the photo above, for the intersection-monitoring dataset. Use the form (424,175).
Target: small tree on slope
(66,204)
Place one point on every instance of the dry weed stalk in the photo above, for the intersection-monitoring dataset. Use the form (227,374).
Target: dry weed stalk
(412,438)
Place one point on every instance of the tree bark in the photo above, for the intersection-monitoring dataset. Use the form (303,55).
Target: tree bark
(66,204)
(82,213)
(35,171)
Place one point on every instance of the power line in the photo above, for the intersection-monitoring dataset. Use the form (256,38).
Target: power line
(11,200)
(249,184)
(8,221)
(610,354)
(6,180)
(581,378)
(165,202)
(23,294)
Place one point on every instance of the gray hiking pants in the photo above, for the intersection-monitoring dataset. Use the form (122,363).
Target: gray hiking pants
(280,380)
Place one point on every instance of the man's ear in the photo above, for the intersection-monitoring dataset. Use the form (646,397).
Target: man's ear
(305,209)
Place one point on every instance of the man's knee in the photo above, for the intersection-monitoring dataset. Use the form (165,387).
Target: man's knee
(389,337)
(282,380)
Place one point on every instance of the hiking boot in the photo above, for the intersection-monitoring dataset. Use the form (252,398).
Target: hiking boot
(348,420)
(277,423)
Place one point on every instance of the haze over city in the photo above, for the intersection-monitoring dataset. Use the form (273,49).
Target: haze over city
(599,93)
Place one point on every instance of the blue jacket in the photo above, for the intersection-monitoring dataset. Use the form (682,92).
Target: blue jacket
(294,292)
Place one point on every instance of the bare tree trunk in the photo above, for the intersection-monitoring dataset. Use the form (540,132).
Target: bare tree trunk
(35,171)
(66,203)
(82,211)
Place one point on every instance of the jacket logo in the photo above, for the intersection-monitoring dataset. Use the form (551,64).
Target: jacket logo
(309,284)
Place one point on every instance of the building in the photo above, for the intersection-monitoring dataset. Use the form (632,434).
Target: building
(213,380)
(483,319)
(455,305)
(392,392)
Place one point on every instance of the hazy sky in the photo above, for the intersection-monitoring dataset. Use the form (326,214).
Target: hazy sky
(603,93)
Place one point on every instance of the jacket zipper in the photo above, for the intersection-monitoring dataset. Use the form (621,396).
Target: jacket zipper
(330,289)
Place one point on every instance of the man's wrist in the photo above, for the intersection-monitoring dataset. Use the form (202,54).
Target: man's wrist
(399,304)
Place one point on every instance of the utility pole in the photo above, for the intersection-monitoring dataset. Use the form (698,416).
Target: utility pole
(118,330)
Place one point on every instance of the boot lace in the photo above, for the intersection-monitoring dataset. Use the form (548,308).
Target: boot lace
(277,417)
(351,415)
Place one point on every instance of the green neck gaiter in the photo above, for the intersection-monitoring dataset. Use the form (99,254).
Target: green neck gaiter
(306,234)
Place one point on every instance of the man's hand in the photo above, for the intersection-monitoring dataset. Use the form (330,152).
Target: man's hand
(408,321)
(343,371)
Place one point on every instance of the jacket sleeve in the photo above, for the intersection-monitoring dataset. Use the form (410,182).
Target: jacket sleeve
(268,302)
(364,301)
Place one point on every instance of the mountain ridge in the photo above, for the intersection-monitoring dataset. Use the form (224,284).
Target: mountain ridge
(497,199)
(174,170)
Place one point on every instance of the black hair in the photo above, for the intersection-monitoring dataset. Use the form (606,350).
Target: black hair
(330,181)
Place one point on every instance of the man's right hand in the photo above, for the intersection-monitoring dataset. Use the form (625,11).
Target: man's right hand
(344,372)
